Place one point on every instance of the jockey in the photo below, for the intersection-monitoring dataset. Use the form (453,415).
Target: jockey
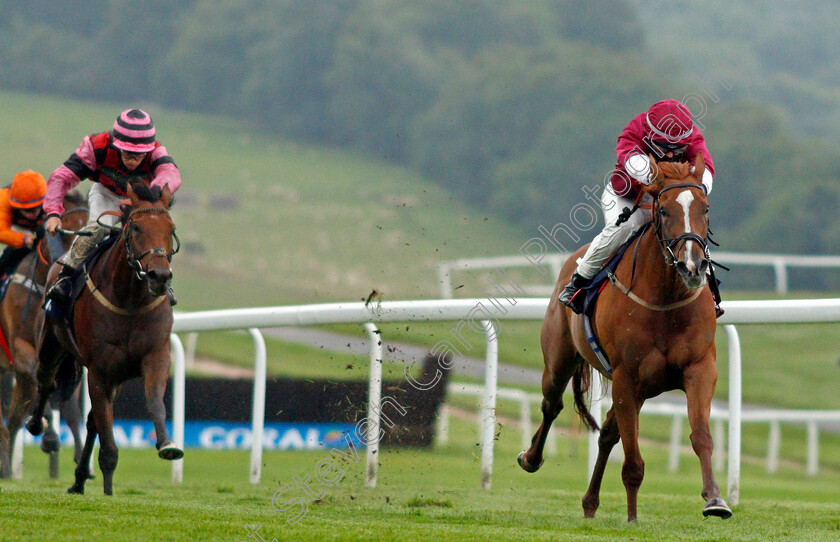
(667,133)
(21,217)
(128,154)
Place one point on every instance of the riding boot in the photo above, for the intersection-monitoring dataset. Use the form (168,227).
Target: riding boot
(60,291)
(714,285)
(170,293)
(569,296)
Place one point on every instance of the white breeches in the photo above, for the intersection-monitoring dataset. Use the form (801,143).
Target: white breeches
(611,237)
(100,200)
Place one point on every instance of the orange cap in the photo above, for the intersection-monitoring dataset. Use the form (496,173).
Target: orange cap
(28,190)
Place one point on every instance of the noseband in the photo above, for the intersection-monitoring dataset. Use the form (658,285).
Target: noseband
(134,260)
(669,245)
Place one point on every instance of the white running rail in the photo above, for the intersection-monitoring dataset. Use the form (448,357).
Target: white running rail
(554,261)
(737,312)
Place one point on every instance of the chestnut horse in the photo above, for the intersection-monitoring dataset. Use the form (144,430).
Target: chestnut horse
(119,329)
(18,311)
(659,336)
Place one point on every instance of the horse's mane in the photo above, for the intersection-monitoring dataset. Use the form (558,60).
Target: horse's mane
(674,170)
(146,192)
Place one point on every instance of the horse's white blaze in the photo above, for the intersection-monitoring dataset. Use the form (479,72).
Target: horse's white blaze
(685,199)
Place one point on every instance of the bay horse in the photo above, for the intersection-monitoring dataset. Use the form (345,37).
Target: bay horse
(18,312)
(659,336)
(119,329)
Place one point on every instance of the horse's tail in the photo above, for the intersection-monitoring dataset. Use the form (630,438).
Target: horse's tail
(580,385)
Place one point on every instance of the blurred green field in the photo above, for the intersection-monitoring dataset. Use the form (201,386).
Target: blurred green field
(265,221)
(420,494)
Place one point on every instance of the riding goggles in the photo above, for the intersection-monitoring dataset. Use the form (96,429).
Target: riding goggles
(664,147)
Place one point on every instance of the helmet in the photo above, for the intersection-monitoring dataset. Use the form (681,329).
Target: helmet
(134,131)
(28,190)
(669,121)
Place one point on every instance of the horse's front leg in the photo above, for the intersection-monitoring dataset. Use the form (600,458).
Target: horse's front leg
(102,408)
(699,382)
(155,376)
(49,355)
(25,385)
(607,439)
(627,406)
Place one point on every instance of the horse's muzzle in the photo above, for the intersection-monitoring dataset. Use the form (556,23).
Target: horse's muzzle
(158,280)
(693,272)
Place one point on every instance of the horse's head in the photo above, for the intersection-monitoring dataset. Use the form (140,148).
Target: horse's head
(681,219)
(149,235)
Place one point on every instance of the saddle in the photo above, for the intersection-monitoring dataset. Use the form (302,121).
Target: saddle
(65,313)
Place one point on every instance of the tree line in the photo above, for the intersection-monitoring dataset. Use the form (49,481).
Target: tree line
(514,106)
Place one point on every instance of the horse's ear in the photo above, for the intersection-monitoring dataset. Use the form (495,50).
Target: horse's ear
(657,175)
(166,196)
(131,195)
(699,168)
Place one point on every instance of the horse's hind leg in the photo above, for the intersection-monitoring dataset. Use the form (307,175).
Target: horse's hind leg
(699,382)
(558,371)
(607,439)
(71,412)
(5,449)
(83,463)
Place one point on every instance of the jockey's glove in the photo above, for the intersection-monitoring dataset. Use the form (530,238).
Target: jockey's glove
(638,166)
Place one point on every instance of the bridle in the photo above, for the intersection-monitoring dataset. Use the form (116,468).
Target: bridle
(669,245)
(134,260)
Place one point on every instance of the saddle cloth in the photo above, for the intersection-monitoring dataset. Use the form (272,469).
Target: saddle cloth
(599,281)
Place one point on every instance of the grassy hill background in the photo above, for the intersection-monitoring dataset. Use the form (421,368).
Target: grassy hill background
(269,222)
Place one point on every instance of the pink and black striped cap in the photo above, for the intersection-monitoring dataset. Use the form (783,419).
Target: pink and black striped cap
(134,131)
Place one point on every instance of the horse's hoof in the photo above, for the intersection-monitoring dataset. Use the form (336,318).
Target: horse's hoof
(35,426)
(50,442)
(76,490)
(717,507)
(526,466)
(170,452)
